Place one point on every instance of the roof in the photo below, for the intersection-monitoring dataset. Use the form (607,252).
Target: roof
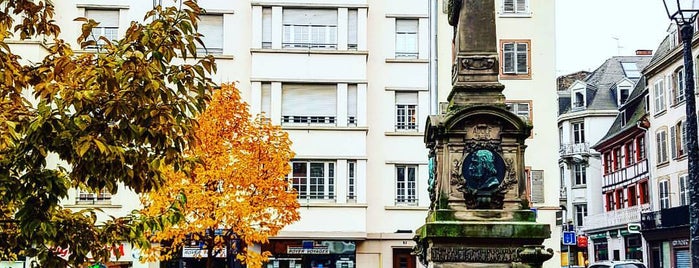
(634,110)
(665,47)
(602,82)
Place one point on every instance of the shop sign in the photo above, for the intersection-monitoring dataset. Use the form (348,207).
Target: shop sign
(582,241)
(680,243)
(634,228)
(189,252)
(301,250)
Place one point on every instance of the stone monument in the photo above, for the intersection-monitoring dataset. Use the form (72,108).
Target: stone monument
(479,215)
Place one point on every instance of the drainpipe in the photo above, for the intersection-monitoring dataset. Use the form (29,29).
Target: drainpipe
(434,102)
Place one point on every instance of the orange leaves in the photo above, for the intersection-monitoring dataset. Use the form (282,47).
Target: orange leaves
(238,183)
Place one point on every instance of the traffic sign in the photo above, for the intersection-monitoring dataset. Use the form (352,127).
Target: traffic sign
(569,238)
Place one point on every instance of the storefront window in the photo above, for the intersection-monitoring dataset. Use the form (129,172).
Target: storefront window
(634,248)
(311,254)
(601,250)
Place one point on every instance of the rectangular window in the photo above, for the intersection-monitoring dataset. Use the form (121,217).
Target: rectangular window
(630,153)
(580,214)
(521,109)
(406,185)
(406,39)
(515,6)
(633,196)
(658,97)
(631,69)
(579,173)
(644,192)
(108,27)
(664,194)
(618,158)
(620,199)
(352,180)
(352,29)
(515,57)
(684,190)
(661,146)
(211,29)
(608,163)
(677,140)
(578,132)
(406,111)
(309,104)
(678,93)
(87,197)
(309,28)
(266,98)
(610,201)
(352,104)
(266,27)
(313,179)
(641,148)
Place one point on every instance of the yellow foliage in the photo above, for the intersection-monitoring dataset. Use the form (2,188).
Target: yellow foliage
(237,182)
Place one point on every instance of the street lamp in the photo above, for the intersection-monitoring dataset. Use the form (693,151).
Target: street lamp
(684,13)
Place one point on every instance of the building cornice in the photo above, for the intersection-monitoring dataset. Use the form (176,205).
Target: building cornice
(586,113)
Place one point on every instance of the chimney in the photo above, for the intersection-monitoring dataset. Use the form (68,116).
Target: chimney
(644,52)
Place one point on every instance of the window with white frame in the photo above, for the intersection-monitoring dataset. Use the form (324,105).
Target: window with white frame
(352,105)
(313,180)
(88,197)
(515,57)
(658,97)
(578,100)
(266,27)
(108,25)
(266,98)
(578,132)
(678,89)
(580,214)
(678,139)
(211,29)
(684,190)
(352,27)
(515,6)
(309,28)
(407,39)
(406,184)
(579,174)
(521,109)
(309,104)
(622,94)
(352,180)
(406,111)
(664,194)
(661,146)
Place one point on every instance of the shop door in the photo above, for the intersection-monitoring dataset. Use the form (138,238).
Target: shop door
(656,258)
(402,258)
(682,258)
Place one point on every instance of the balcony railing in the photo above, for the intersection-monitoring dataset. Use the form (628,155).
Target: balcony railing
(567,149)
(629,173)
(665,218)
(617,217)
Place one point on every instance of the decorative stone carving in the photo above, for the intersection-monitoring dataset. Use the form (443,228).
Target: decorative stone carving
(478,63)
(474,254)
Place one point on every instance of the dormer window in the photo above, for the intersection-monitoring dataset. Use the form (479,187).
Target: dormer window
(622,116)
(579,100)
(622,94)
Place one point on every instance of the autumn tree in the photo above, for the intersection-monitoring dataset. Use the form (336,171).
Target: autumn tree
(237,189)
(92,119)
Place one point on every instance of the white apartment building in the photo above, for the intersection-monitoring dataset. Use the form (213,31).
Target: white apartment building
(350,81)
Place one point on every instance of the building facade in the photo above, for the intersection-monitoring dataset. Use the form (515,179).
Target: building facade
(587,109)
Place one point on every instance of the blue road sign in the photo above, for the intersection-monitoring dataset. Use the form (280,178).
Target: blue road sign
(569,238)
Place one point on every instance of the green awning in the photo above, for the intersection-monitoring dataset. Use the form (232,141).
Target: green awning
(598,236)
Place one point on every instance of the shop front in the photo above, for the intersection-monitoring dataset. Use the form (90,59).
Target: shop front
(311,254)
(667,233)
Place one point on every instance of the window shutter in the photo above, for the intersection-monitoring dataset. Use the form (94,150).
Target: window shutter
(211,26)
(522,6)
(309,16)
(352,100)
(267,26)
(266,99)
(537,186)
(508,6)
(683,143)
(352,28)
(106,18)
(406,35)
(309,100)
(508,51)
(522,49)
(408,98)
(673,142)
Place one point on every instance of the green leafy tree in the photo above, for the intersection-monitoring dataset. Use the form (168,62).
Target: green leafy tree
(115,115)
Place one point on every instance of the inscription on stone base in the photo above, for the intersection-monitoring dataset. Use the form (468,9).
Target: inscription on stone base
(477,255)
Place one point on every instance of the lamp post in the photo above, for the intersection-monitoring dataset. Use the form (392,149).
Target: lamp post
(684,13)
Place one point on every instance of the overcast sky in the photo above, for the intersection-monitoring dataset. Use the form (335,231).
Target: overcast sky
(590,31)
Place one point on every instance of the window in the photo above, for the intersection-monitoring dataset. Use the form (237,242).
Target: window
(661,146)
(108,27)
(677,140)
(521,109)
(608,163)
(678,89)
(266,27)
(562,177)
(618,158)
(633,196)
(266,105)
(515,6)
(644,193)
(211,27)
(406,111)
(684,190)
(610,201)
(313,179)
(620,199)
(309,28)
(630,154)
(406,178)
(579,174)
(664,193)
(352,180)
(641,148)
(578,132)
(352,29)
(515,56)
(623,94)
(352,105)
(580,214)
(631,69)
(309,104)
(658,97)
(87,197)
(579,102)
(406,38)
